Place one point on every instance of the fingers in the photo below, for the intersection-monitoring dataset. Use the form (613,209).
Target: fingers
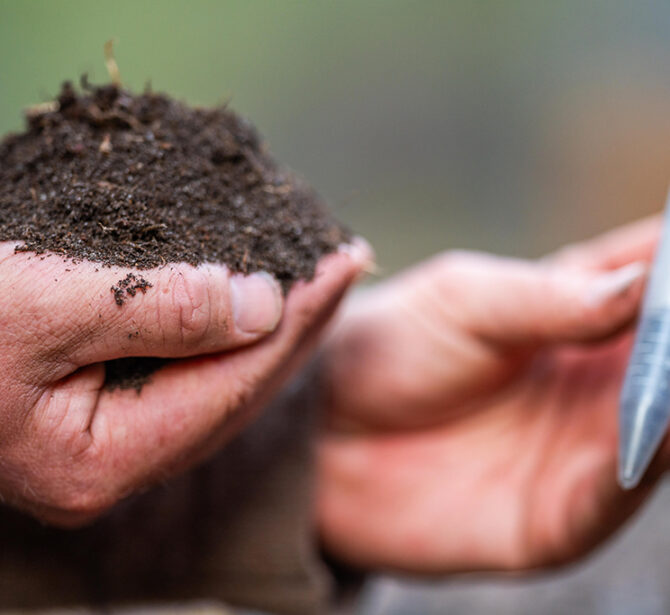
(524,303)
(190,407)
(85,313)
(626,244)
(583,292)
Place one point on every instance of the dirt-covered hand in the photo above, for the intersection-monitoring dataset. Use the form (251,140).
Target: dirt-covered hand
(473,410)
(69,446)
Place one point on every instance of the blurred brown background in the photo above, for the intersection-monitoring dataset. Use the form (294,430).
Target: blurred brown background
(508,126)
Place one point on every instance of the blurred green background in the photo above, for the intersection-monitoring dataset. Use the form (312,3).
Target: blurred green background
(511,126)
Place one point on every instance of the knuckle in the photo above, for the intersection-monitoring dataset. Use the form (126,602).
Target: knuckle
(566,254)
(68,499)
(79,490)
(453,268)
(572,255)
(454,259)
(87,490)
(459,263)
(188,314)
(81,506)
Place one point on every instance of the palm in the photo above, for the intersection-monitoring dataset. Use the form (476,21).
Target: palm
(527,476)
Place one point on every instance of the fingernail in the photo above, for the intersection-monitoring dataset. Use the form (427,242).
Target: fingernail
(361,252)
(256,301)
(614,283)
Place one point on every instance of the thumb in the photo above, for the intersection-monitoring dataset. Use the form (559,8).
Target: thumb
(524,303)
(73,315)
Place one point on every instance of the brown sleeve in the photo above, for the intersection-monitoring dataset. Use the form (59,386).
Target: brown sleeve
(236,530)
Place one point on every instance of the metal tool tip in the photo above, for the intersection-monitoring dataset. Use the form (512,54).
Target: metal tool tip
(628,481)
(631,471)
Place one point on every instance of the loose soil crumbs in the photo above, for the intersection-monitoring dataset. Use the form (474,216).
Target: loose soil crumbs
(129,286)
(142,180)
(131,373)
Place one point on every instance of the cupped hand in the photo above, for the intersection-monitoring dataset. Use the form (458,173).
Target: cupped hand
(472,419)
(69,447)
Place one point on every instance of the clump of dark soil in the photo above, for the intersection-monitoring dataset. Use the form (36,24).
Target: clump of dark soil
(129,286)
(131,373)
(142,181)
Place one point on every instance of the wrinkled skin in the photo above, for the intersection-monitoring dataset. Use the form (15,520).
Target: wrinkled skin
(69,448)
(472,421)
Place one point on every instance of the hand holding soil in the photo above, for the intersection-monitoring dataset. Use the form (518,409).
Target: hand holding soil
(69,447)
(136,230)
(473,420)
